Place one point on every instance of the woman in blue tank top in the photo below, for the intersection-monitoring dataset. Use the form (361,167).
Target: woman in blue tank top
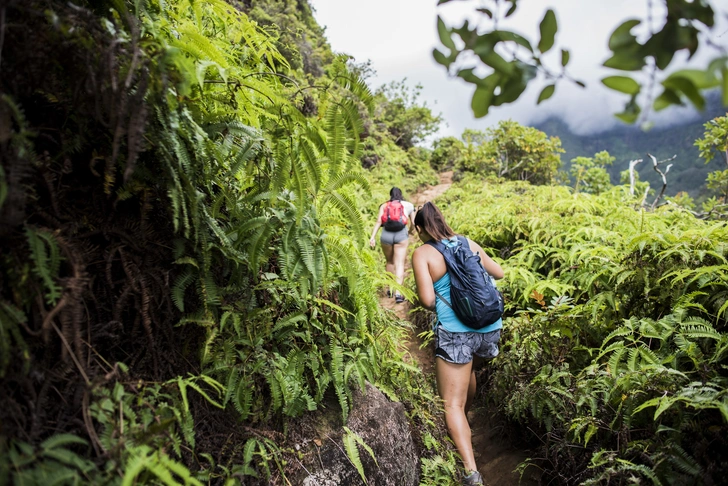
(457,346)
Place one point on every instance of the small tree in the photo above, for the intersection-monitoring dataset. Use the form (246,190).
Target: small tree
(513,152)
(477,155)
(591,172)
(398,110)
(715,140)
(446,153)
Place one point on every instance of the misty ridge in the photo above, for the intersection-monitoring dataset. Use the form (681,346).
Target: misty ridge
(674,133)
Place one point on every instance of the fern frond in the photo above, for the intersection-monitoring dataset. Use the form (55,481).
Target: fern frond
(350,446)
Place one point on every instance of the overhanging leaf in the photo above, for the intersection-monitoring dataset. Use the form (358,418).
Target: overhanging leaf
(445,35)
(546,93)
(623,84)
(548,30)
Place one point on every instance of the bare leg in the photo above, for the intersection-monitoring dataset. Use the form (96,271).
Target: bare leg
(472,385)
(453,383)
(400,254)
(388,251)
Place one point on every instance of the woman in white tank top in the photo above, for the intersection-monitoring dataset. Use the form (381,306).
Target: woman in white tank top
(395,234)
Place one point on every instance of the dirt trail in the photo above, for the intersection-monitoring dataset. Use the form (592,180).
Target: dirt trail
(496,459)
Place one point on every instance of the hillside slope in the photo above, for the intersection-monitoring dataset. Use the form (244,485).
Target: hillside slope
(628,143)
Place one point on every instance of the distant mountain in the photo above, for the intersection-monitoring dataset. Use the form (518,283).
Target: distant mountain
(627,143)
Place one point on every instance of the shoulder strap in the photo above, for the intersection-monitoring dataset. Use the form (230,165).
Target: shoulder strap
(444,300)
(438,245)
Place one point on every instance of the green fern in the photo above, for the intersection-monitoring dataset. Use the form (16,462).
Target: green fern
(351,440)
(47,260)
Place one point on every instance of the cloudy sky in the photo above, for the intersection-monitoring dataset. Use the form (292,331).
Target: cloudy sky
(398,37)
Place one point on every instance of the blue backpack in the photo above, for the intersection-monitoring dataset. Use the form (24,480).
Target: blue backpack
(475,299)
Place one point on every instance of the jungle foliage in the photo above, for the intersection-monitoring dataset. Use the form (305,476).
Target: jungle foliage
(616,341)
(183,270)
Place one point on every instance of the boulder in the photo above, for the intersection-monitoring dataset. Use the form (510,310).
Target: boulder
(383,426)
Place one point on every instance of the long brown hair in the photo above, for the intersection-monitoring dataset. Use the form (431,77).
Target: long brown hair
(433,222)
(395,194)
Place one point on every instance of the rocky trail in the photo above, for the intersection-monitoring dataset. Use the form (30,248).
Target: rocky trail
(496,458)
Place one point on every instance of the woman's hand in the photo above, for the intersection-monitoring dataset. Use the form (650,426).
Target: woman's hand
(372,242)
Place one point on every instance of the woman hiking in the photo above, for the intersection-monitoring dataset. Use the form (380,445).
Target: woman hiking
(457,346)
(394,217)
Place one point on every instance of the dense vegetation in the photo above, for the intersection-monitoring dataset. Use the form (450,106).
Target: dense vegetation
(184,190)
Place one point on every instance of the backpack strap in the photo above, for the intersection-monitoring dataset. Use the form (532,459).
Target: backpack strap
(444,300)
(440,246)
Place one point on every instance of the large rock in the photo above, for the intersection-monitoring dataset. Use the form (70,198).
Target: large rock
(383,426)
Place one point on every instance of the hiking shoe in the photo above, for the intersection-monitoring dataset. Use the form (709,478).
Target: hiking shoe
(389,294)
(473,479)
(398,298)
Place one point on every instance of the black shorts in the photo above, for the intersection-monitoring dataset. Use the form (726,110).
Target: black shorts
(460,347)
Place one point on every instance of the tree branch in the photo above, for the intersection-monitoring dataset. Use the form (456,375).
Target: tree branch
(655,165)
(632,165)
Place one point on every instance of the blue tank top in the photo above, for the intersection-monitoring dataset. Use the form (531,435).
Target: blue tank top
(445,315)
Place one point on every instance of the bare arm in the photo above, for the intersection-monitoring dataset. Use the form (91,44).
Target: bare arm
(372,240)
(423,279)
(493,269)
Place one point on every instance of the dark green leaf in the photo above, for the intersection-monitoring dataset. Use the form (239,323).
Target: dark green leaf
(483,44)
(486,12)
(548,30)
(623,84)
(441,58)
(700,11)
(701,79)
(621,36)
(505,35)
(481,101)
(495,61)
(511,87)
(483,95)
(724,72)
(717,64)
(512,10)
(528,71)
(468,76)
(564,57)
(667,98)
(686,86)
(581,83)
(630,113)
(625,62)
(445,35)
(546,93)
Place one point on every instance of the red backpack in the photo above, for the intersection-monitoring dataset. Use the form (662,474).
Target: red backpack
(394,218)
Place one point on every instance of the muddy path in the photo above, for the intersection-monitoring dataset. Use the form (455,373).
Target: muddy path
(496,457)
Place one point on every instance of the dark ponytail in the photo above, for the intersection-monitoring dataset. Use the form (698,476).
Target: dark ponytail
(430,219)
(395,194)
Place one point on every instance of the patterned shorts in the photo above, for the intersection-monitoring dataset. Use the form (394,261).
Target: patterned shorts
(459,347)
